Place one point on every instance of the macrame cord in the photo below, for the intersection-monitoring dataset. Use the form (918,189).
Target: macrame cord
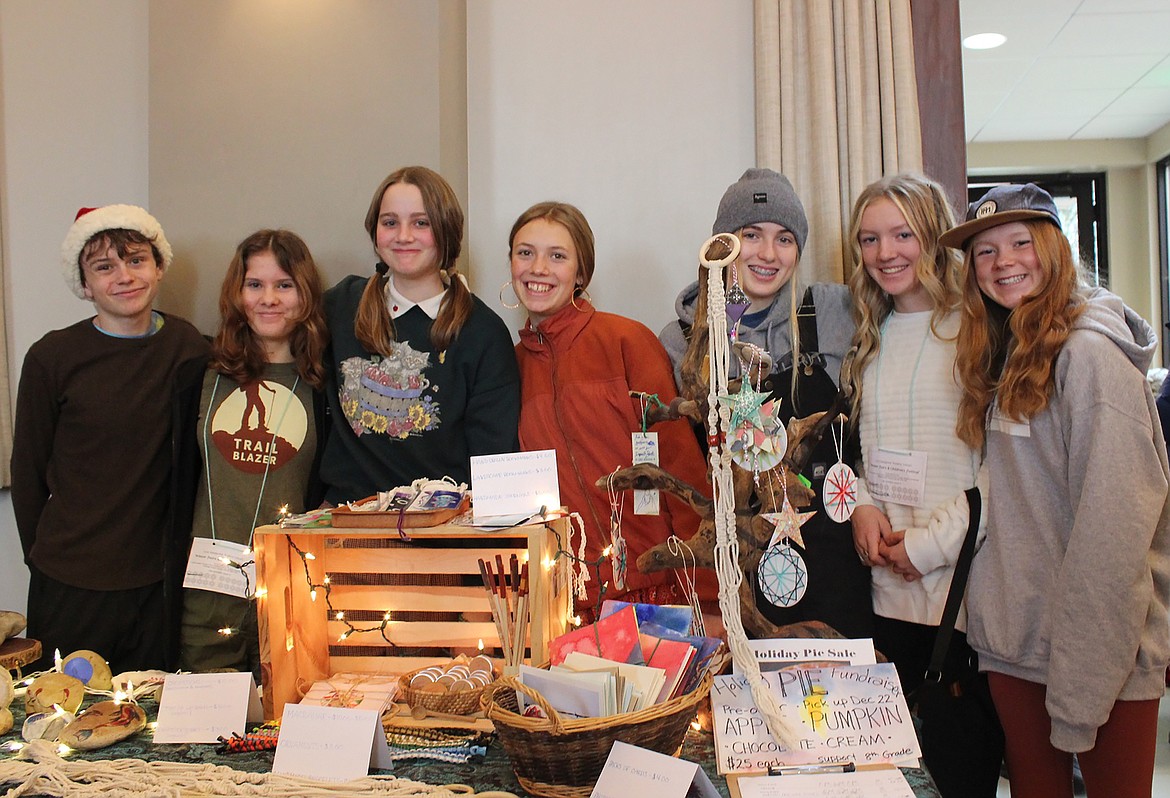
(716,254)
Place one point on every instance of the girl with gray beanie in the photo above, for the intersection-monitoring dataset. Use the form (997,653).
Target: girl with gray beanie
(812,329)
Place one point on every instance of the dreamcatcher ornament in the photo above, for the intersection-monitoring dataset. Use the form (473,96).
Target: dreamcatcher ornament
(840,489)
(782,573)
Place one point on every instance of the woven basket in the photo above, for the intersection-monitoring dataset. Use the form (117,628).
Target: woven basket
(560,757)
(463,702)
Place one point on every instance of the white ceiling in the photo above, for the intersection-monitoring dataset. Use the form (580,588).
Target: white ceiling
(1070,69)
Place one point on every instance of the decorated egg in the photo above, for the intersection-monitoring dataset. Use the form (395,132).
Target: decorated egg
(51,689)
(7,689)
(45,725)
(104,723)
(145,684)
(89,667)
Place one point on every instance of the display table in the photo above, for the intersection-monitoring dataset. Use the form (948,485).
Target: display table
(492,773)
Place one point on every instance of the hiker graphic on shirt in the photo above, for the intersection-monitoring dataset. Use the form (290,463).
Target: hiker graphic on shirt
(260,424)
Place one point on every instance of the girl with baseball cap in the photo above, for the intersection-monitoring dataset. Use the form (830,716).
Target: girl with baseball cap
(1068,596)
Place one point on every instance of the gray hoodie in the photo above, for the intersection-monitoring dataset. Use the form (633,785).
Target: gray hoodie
(834,327)
(1071,587)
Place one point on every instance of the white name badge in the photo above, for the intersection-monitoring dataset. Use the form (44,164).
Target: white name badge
(221,567)
(896,475)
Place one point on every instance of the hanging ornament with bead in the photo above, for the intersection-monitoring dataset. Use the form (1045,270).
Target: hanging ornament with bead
(840,488)
(782,572)
(737,304)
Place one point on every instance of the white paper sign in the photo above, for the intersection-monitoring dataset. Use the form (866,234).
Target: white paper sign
(206,569)
(884,783)
(785,652)
(330,743)
(847,714)
(515,483)
(631,771)
(202,707)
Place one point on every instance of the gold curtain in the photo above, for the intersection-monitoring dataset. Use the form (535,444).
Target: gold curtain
(836,108)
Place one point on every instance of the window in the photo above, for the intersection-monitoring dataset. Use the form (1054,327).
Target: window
(1080,200)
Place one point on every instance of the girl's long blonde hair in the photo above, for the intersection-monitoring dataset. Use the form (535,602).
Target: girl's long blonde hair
(923,204)
(1010,356)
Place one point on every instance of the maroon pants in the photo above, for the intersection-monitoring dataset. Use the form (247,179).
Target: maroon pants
(1119,765)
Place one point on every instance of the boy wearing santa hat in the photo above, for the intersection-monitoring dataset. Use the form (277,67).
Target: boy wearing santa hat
(96,458)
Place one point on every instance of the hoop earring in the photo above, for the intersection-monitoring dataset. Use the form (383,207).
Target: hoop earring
(582,291)
(508,284)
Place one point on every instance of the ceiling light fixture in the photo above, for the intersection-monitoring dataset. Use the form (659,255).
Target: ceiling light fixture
(984,41)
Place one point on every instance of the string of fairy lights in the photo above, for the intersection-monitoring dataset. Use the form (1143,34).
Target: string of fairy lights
(325,586)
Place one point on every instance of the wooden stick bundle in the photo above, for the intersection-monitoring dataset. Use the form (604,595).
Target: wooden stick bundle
(508,599)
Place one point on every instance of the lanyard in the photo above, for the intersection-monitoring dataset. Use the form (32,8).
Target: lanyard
(267,462)
(878,381)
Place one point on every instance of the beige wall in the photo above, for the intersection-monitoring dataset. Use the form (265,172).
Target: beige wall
(641,114)
(289,114)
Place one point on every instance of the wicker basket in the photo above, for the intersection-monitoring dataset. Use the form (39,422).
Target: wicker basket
(562,757)
(463,702)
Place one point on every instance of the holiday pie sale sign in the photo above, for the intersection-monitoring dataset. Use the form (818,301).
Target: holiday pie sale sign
(852,714)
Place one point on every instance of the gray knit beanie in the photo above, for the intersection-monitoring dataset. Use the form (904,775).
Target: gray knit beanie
(761,195)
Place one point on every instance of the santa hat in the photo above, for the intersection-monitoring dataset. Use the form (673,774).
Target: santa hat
(91,221)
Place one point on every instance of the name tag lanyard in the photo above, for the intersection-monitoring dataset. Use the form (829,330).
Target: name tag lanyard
(901,480)
(267,465)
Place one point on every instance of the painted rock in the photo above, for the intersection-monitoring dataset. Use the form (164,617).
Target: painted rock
(146,684)
(61,689)
(104,723)
(5,720)
(90,668)
(11,624)
(7,690)
(45,725)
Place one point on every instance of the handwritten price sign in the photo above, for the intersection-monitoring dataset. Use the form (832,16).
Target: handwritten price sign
(846,714)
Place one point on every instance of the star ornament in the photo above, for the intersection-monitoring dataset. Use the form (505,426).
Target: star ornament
(745,405)
(788,523)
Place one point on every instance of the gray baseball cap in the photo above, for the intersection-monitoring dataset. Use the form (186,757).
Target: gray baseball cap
(1002,204)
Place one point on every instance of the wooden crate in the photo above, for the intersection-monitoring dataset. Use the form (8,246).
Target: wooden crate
(430,585)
